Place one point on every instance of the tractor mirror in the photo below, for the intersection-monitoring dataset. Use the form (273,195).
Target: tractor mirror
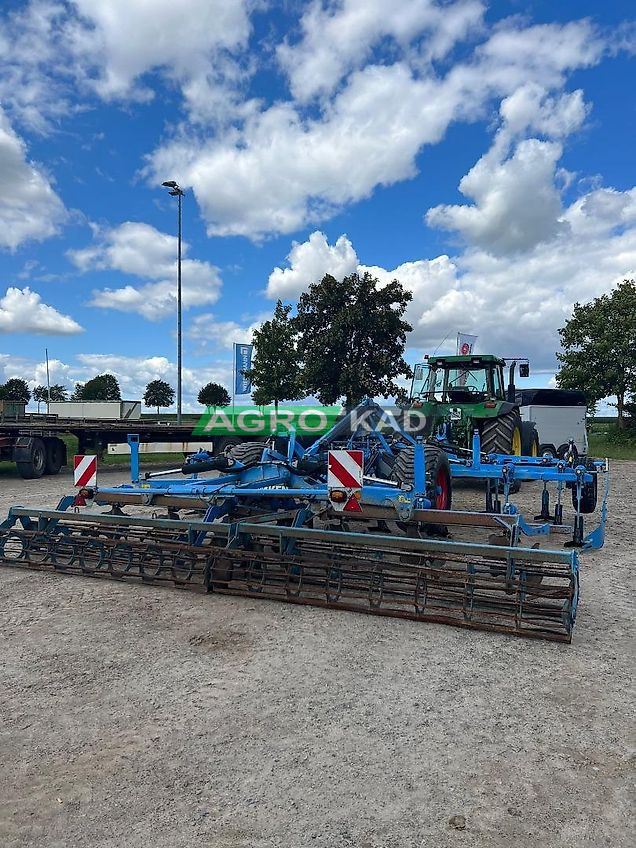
(524,369)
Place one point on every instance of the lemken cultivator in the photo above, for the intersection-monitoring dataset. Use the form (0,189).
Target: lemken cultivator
(360,520)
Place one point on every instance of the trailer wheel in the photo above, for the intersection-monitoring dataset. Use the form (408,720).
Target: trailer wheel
(55,456)
(35,465)
(438,477)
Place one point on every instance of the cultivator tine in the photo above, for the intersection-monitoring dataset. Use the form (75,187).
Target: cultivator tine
(525,591)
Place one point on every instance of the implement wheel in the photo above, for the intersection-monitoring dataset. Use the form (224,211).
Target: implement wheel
(502,434)
(249,453)
(438,478)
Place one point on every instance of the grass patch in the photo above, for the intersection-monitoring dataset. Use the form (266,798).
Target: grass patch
(601,444)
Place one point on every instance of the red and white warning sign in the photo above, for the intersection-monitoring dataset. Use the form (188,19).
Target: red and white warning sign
(344,479)
(84,470)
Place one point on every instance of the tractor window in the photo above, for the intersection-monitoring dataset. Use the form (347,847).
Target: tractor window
(499,383)
(427,382)
(466,385)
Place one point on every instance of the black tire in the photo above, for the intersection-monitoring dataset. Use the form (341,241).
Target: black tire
(225,443)
(497,433)
(55,456)
(529,439)
(249,453)
(34,467)
(548,450)
(589,495)
(437,472)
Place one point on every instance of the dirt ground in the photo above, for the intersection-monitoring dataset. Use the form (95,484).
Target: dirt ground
(133,717)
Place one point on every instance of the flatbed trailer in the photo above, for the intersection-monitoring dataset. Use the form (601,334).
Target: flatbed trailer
(35,442)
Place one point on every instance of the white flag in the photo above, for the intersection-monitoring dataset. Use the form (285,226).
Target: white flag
(465,344)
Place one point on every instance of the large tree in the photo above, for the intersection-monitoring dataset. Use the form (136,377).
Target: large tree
(158,393)
(102,387)
(352,338)
(275,372)
(16,389)
(599,348)
(213,394)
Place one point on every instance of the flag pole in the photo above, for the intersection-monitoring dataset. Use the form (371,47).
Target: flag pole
(233,379)
(48,382)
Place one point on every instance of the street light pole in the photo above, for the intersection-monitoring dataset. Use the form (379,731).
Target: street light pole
(175,191)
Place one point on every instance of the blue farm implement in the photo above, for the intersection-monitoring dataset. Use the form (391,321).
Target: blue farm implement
(282,522)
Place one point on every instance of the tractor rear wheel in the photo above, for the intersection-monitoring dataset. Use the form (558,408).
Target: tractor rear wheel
(249,453)
(502,434)
(437,469)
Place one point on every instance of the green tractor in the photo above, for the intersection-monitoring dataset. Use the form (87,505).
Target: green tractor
(461,394)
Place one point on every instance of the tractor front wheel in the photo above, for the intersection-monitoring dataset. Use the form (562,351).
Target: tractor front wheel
(502,434)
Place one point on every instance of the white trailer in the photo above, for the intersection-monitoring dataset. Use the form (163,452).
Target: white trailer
(558,416)
(102,410)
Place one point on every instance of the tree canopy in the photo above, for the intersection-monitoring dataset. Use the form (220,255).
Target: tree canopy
(213,394)
(15,389)
(158,393)
(41,394)
(599,348)
(275,372)
(352,336)
(102,387)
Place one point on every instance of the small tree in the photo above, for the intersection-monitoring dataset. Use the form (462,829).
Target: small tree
(40,395)
(213,394)
(352,338)
(102,387)
(599,348)
(58,392)
(275,371)
(16,389)
(158,393)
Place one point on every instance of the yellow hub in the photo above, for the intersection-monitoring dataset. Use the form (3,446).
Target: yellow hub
(516,442)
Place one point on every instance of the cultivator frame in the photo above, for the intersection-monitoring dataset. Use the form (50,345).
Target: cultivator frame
(271,531)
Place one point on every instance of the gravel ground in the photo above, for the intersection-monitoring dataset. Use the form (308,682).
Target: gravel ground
(133,717)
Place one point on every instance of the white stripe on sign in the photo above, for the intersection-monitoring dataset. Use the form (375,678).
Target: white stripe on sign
(345,469)
(84,470)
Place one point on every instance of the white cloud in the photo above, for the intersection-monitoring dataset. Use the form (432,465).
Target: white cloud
(514,303)
(283,168)
(22,311)
(207,329)
(338,38)
(141,250)
(51,52)
(134,373)
(30,209)
(309,262)
(517,204)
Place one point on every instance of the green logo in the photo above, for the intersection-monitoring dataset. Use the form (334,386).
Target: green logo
(266,420)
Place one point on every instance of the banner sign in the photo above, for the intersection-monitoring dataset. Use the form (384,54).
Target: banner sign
(465,344)
(242,362)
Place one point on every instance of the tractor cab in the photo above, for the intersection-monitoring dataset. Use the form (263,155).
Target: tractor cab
(461,394)
(465,379)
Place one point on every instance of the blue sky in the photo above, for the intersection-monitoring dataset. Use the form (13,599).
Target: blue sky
(482,153)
